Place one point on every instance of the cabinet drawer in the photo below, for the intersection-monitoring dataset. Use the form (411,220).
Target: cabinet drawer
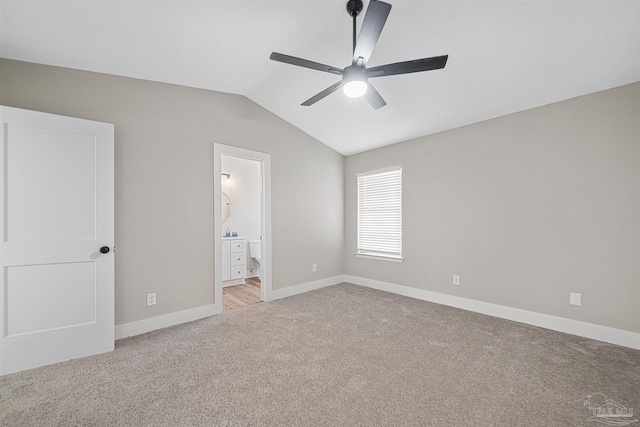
(237,272)
(238,246)
(238,260)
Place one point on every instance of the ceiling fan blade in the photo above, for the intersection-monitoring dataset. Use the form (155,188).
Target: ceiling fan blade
(372,26)
(374,97)
(406,67)
(324,93)
(275,56)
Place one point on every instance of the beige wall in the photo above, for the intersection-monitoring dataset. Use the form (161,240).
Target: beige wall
(525,208)
(164,181)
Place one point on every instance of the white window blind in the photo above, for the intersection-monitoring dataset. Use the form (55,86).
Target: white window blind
(380,213)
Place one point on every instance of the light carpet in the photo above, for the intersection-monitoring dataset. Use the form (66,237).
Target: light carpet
(340,356)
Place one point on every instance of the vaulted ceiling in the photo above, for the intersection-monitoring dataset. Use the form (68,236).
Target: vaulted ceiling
(504,56)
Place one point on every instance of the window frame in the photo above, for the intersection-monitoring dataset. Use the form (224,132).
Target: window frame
(369,254)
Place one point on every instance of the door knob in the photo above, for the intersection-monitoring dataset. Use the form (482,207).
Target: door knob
(104,250)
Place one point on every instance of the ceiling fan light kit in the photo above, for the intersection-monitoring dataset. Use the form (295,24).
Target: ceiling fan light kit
(355,77)
(354,81)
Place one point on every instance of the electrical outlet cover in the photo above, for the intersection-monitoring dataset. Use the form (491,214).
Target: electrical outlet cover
(575,299)
(151,299)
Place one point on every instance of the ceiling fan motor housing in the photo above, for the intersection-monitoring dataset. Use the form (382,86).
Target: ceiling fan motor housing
(354,72)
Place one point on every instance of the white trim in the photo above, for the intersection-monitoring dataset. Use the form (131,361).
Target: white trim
(560,324)
(265,264)
(159,322)
(232,282)
(154,323)
(381,257)
(305,287)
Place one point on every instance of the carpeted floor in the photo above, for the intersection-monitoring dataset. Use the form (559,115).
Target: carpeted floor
(340,356)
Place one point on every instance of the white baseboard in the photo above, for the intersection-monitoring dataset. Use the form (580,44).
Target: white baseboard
(560,324)
(164,321)
(304,287)
(232,282)
(154,323)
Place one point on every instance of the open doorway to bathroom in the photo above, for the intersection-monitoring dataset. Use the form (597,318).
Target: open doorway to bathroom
(241,227)
(241,242)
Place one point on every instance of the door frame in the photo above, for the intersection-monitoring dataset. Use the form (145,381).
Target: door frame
(265,217)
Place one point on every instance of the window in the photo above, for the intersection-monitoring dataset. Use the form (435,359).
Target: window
(380,214)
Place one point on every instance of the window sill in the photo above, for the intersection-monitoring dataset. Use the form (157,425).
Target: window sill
(380,257)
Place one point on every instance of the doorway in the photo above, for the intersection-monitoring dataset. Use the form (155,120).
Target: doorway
(242,227)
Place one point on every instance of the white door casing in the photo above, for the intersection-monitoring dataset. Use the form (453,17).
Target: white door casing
(57,211)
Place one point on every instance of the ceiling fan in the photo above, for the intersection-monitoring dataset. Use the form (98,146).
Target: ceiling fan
(355,77)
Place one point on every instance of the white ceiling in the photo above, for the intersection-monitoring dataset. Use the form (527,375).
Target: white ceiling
(504,56)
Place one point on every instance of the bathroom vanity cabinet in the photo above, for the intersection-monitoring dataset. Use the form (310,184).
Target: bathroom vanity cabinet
(234,262)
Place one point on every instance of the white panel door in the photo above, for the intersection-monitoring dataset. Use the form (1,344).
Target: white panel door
(56,220)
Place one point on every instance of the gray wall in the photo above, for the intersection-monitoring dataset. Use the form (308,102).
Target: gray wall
(525,208)
(164,138)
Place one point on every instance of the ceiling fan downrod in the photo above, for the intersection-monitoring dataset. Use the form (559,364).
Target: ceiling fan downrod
(354,7)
